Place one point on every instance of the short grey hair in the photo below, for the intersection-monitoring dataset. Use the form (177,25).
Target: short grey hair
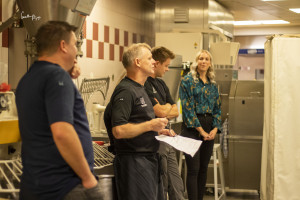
(134,51)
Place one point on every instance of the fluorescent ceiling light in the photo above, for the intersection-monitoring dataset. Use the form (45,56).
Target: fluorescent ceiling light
(296,10)
(261,22)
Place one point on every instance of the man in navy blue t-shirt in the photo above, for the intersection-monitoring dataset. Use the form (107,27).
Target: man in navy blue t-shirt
(57,151)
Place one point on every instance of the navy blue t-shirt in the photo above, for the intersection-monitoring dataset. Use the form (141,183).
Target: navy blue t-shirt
(46,94)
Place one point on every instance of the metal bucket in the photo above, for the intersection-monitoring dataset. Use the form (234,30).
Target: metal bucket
(108,187)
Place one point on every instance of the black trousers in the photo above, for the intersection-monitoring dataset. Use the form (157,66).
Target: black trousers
(138,177)
(197,165)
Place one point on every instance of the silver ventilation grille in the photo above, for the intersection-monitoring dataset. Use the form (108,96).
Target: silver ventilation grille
(181,15)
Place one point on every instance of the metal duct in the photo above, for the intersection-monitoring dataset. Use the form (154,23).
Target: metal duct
(34,13)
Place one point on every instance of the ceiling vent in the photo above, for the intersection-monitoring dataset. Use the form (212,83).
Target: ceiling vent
(181,15)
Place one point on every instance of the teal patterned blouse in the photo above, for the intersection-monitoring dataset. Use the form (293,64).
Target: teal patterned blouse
(199,98)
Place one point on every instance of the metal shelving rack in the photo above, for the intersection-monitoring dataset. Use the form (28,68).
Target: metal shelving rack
(90,86)
(102,157)
(10,173)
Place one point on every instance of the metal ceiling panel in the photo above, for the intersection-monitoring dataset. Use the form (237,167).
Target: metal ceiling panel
(263,10)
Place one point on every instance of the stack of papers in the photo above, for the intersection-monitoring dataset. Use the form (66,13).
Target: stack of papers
(187,145)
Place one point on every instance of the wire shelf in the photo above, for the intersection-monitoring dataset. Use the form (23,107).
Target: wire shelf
(11,170)
(102,157)
(10,173)
(90,86)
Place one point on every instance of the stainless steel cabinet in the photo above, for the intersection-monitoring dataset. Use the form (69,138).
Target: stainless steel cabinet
(246,103)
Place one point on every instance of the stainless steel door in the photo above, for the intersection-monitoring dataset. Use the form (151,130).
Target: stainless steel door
(244,162)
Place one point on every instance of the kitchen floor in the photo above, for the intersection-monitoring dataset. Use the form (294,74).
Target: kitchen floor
(232,195)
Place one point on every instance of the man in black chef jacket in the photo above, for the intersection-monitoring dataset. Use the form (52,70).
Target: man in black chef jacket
(164,106)
(131,123)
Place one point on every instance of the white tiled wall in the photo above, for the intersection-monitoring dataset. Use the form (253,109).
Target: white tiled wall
(127,16)
(116,14)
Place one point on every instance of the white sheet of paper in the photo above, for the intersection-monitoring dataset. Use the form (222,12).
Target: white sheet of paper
(187,145)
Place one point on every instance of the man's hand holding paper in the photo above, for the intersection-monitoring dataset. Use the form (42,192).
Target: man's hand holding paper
(187,145)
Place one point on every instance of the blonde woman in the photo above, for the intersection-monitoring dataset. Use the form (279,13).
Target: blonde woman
(201,119)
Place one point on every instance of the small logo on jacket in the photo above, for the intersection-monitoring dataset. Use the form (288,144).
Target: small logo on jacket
(142,100)
(154,90)
(60,83)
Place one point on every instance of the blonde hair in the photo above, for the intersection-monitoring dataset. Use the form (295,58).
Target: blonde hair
(134,51)
(210,72)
